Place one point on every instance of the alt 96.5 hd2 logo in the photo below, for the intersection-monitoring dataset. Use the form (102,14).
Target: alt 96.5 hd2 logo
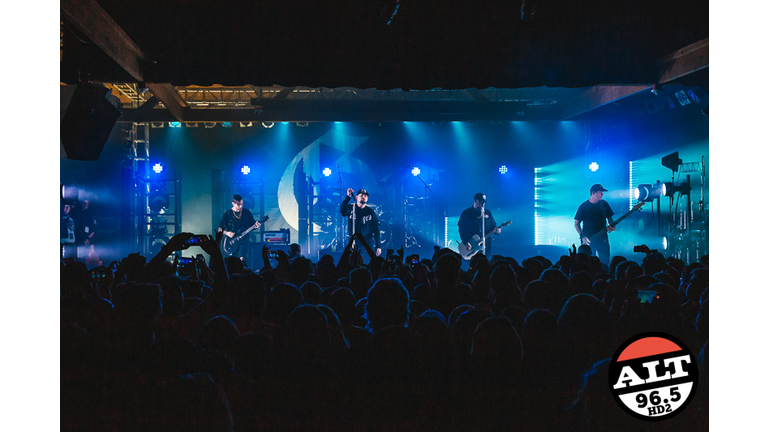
(653,376)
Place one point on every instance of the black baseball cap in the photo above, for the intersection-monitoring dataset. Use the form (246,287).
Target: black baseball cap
(597,187)
(480,197)
(362,192)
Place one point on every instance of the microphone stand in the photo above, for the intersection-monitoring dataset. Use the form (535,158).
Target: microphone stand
(482,224)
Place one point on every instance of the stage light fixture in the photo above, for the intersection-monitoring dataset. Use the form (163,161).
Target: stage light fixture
(174,124)
(648,192)
(302,124)
(682,98)
(157,168)
(209,125)
(594,166)
(157,125)
(190,125)
(327,172)
(248,124)
(245,170)
(226,124)
(669,188)
(503,169)
(267,124)
(415,171)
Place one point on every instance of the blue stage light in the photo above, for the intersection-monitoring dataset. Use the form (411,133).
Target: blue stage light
(174,124)
(327,172)
(245,170)
(503,169)
(594,166)
(157,168)
(415,171)
(226,124)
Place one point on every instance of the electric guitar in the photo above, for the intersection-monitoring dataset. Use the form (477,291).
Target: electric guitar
(229,245)
(477,243)
(602,232)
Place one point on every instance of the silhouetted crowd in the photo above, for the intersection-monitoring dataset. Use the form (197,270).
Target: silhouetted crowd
(367,344)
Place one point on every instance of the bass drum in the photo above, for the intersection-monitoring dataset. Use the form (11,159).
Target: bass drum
(385,235)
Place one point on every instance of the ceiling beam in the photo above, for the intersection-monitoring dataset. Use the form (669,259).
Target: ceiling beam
(167,94)
(598,96)
(678,64)
(94,22)
(684,61)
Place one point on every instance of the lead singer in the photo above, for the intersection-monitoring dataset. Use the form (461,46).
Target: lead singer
(362,219)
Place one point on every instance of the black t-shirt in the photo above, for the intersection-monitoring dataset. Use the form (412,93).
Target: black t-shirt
(366,222)
(469,223)
(593,216)
(230,223)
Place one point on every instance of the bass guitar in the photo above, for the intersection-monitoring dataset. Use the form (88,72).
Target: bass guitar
(477,243)
(603,232)
(229,245)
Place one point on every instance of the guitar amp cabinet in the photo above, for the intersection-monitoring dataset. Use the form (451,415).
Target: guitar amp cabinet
(282,237)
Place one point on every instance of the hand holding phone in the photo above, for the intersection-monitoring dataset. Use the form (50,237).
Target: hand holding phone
(195,240)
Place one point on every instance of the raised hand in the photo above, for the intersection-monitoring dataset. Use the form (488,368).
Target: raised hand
(210,245)
(178,242)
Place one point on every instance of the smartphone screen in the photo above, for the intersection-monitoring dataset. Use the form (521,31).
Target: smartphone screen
(646,296)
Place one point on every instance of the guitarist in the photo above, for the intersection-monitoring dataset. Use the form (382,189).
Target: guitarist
(591,218)
(236,220)
(470,223)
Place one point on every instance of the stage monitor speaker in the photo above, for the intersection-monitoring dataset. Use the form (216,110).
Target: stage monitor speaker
(87,122)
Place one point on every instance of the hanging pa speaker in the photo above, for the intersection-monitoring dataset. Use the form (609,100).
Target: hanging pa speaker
(87,122)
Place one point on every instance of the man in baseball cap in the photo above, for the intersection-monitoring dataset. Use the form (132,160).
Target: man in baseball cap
(590,223)
(362,219)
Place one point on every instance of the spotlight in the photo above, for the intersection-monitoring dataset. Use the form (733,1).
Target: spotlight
(157,125)
(503,169)
(190,125)
(648,192)
(302,124)
(157,168)
(210,125)
(415,171)
(174,124)
(245,170)
(594,166)
(668,188)
(249,124)
(267,124)
(327,172)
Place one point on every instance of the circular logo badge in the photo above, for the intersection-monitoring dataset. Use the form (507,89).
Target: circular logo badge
(653,376)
